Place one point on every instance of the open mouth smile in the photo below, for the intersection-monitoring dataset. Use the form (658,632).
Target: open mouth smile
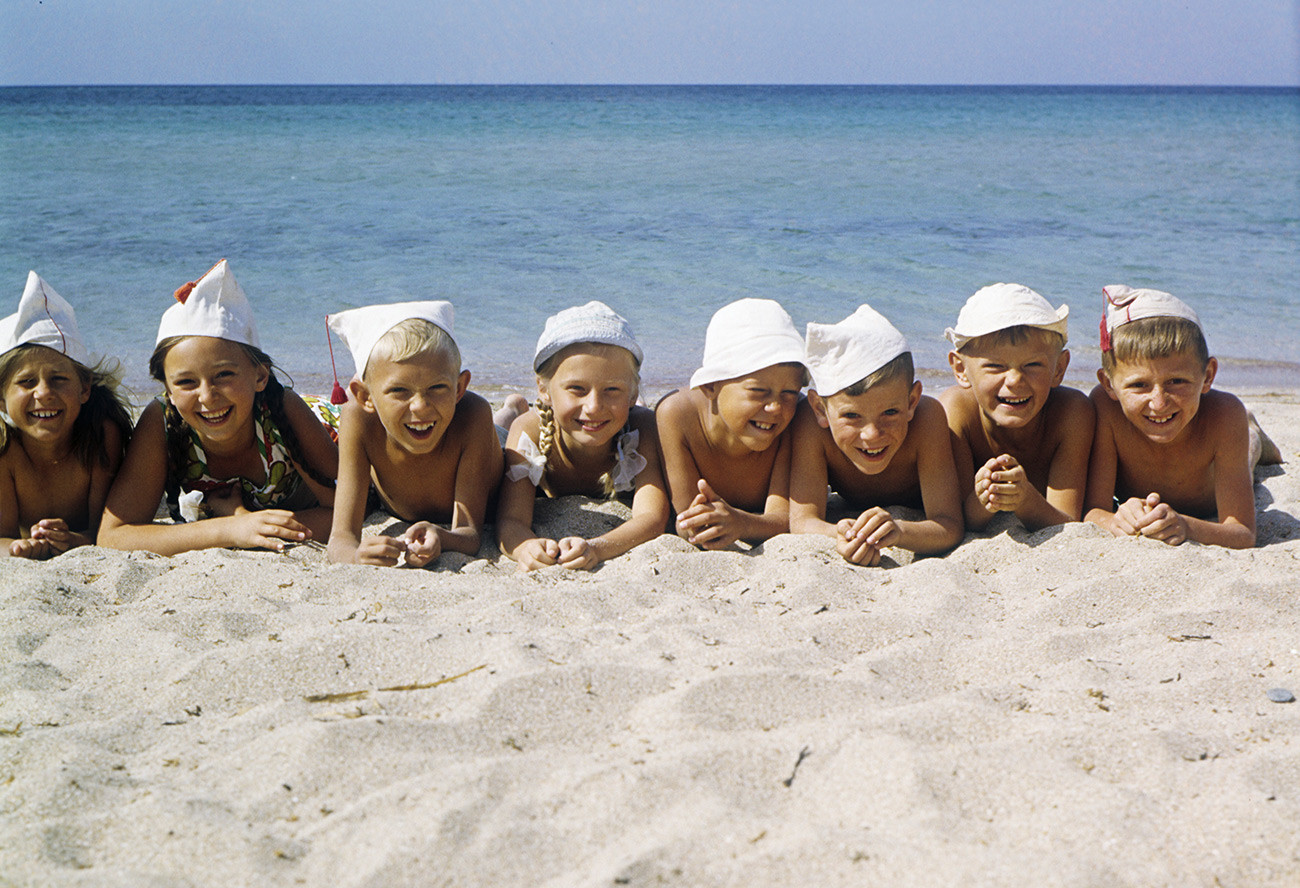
(1014,402)
(44,414)
(216,417)
(420,430)
(762,426)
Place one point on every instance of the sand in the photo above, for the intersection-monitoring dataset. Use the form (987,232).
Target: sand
(1033,709)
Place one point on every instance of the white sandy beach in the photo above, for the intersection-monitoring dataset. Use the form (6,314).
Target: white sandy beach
(1051,709)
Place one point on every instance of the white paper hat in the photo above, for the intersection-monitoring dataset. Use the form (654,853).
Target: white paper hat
(844,353)
(43,318)
(1000,306)
(214,305)
(361,328)
(1125,305)
(593,322)
(747,335)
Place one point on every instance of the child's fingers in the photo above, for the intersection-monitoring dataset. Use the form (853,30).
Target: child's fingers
(706,491)
(381,551)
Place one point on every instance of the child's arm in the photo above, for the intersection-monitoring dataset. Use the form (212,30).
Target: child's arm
(942,527)
(650,508)
(321,453)
(808,485)
(1103,468)
(136,492)
(515,505)
(11,542)
(478,475)
(346,543)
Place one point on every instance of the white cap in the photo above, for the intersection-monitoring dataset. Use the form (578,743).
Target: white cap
(999,306)
(1125,305)
(593,322)
(43,318)
(214,305)
(361,328)
(844,353)
(747,335)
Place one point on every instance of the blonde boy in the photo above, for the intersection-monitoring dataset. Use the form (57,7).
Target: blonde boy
(413,431)
(1173,451)
(725,444)
(1020,439)
(868,431)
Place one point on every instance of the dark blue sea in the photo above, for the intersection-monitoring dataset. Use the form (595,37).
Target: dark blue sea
(665,202)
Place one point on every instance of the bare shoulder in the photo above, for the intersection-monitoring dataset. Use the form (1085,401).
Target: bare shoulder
(930,416)
(1223,413)
(527,423)
(959,407)
(678,411)
(1068,407)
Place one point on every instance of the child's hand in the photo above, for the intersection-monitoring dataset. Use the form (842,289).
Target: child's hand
(536,553)
(55,532)
(380,551)
(422,544)
(709,522)
(36,550)
(852,549)
(873,529)
(1161,522)
(1000,484)
(267,529)
(577,554)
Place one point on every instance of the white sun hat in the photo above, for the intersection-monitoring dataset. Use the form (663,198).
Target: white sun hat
(43,318)
(214,305)
(593,322)
(1126,304)
(745,336)
(841,354)
(999,306)
(361,328)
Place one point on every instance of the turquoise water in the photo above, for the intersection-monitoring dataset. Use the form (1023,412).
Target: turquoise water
(665,202)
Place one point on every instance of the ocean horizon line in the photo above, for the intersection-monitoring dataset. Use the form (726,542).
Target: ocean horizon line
(1031,87)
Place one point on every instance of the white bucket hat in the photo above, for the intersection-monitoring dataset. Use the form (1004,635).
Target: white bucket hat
(43,318)
(593,322)
(841,354)
(1125,305)
(999,306)
(747,335)
(361,328)
(214,305)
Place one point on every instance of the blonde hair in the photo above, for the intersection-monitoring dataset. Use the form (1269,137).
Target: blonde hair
(1015,335)
(1151,338)
(899,368)
(411,337)
(106,404)
(546,430)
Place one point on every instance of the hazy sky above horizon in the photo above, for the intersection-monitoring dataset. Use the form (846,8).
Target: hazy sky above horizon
(1180,42)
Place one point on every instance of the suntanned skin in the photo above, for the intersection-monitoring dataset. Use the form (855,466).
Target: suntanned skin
(1020,440)
(1174,452)
(443,474)
(726,451)
(591,392)
(206,375)
(49,501)
(901,455)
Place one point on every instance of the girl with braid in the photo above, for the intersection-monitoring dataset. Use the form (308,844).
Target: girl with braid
(227,442)
(586,436)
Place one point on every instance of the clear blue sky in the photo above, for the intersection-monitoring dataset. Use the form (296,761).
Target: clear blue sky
(1237,42)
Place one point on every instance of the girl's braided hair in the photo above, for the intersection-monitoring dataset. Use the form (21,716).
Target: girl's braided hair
(106,404)
(546,431)
(178,433)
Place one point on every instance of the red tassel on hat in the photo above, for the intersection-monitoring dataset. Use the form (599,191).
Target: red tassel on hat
(183,291)
(337,394)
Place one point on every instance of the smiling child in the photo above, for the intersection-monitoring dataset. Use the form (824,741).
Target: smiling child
(1174,452)
(868,431)
(725,441)
(1021,439)
(413,431)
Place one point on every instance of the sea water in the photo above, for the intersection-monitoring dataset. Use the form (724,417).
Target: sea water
(664,202)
